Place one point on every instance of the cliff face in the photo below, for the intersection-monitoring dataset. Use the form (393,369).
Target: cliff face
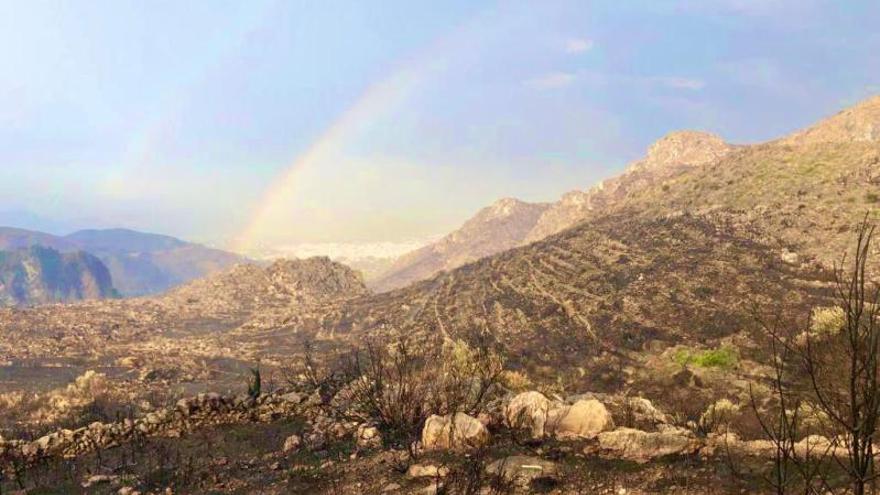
(41,275)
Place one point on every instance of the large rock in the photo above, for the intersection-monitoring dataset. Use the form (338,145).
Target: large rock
(528,410)
(453,432)
(583,419)
(641,446)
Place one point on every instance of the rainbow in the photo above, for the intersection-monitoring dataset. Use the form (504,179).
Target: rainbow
(270,213)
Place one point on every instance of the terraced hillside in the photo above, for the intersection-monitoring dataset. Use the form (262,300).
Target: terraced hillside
(591,298)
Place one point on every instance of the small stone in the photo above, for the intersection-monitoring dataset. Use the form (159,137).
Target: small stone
(292,443)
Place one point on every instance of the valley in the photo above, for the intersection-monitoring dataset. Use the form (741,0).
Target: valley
(599,337)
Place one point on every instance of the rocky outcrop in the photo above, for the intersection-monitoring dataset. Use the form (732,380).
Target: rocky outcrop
(453,432)
(532,411)
(41,275)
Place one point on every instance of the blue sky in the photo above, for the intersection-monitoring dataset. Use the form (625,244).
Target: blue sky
(179,117)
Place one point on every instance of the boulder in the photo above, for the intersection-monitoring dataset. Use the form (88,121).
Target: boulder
(583,419)
(453,432)
(528,410)
(641,446)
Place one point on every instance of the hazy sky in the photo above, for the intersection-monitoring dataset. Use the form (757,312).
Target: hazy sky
(291,121)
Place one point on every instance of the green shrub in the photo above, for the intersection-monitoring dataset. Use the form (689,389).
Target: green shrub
(723,357)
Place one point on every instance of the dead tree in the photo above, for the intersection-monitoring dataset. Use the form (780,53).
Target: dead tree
(843,368)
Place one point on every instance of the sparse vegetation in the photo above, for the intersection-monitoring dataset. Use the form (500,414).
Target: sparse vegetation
(723,357)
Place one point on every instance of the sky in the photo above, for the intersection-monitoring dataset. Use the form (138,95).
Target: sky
(277,122)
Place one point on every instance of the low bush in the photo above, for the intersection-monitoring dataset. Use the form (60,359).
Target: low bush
(723,357)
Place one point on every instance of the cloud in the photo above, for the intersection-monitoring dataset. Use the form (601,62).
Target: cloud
(552,80)
(578,45)
(679,82)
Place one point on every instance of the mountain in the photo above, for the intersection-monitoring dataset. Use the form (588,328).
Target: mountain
(498,227)
(809,187)
(510,222)
(42,275)
(139,263)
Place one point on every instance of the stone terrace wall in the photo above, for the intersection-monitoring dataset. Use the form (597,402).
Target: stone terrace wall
(189,414)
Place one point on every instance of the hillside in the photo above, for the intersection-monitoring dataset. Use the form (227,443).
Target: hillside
(498,227)
(594,297)
(40,275)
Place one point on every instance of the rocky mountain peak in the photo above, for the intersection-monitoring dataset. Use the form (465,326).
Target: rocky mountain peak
(685,148)
(859,123)
(504,207)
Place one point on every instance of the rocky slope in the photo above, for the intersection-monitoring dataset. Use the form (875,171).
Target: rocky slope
(40,275)
(498,227)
